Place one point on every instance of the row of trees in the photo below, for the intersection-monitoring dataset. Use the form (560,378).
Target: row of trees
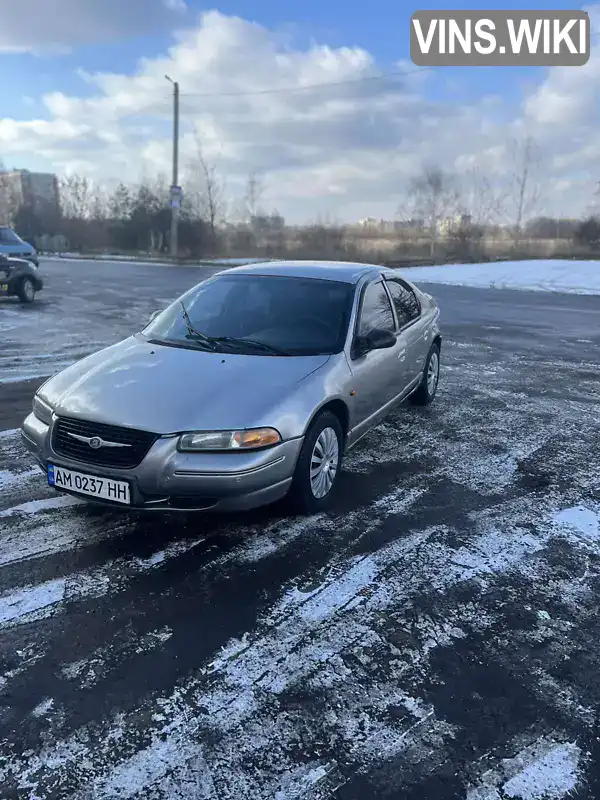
(442,216)
(138,217)
(461,210)
(134,217)
(459,215)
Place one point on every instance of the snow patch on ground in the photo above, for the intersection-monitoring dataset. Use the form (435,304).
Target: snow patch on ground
(12,479)
(37,506)
(302,639)
(585,521)
(544,771)
(264,542)
(30,536)
(43,708)
(545,275)
(313,640)
(17,606)
(151,766)
(31,602)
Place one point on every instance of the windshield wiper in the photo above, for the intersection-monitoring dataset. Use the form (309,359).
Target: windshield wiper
(194,333)
(253,343)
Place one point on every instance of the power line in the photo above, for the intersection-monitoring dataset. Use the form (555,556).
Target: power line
(323,85)
(310,87)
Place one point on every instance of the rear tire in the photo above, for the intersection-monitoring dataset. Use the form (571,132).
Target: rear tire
(426,390)
(318,466)
(26,290)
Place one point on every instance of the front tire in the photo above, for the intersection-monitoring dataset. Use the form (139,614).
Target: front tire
(426,390)
(318,465)
(26,290)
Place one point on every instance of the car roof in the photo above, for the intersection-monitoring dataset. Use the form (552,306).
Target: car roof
(345,271)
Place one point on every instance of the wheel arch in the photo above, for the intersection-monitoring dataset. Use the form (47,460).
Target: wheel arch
(338,407)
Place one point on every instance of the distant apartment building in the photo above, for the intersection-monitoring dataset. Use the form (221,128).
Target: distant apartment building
(35,190)
(449,224)
(371,225)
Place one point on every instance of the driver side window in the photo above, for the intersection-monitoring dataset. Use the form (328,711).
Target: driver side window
(376,311)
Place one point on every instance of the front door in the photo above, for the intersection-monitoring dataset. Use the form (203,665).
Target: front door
(380,375)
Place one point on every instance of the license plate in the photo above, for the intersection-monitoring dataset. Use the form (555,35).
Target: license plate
(3,287)
(91,485)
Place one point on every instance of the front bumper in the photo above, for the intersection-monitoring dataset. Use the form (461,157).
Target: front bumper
(167,480)
(13,283)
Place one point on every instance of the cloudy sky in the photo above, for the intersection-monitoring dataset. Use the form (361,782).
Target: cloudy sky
(88,94)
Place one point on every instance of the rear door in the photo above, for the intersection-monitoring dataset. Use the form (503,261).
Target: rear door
(412,330)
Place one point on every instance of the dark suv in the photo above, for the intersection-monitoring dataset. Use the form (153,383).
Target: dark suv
(19,278)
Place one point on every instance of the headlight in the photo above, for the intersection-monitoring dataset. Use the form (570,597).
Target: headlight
(251,439)
(42,410)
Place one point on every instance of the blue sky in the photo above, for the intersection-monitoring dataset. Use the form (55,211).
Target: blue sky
(381,28)
(125,40)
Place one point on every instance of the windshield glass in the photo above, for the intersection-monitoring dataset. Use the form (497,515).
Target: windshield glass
(293,316)
(8,236)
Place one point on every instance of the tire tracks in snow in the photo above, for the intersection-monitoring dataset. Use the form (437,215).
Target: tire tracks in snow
(244,678)
(345,640)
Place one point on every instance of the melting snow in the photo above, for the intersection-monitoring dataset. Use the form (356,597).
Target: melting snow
(31,599)
(554,775)
(12,479)
(584,520)
(546,770)
(545,275)
(43,708)
(35,506)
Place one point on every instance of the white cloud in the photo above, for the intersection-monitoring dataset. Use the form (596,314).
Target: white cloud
(345,149)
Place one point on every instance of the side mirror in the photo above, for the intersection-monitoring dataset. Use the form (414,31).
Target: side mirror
(153,316)
(380,339)
(377,339)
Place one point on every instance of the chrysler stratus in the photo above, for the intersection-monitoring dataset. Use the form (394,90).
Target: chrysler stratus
(247,389)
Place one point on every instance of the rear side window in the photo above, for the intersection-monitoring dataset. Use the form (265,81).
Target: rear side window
(405,301)
(376,310)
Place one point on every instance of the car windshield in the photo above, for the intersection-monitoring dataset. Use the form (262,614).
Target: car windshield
(8,236)
(259,315)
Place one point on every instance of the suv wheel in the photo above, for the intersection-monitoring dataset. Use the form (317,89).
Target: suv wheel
(26,290)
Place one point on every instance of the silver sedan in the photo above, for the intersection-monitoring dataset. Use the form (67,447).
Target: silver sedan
(247,389)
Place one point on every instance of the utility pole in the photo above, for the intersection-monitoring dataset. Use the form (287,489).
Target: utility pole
(175,193)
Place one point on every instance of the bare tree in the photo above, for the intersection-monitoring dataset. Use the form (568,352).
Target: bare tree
(523,192)
(208,188)
(9,198)
(480,199)
(478,207)
(252,198)
(433,196)
(77,197)
(593,206)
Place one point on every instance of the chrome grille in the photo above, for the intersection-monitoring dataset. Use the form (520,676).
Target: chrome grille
(121,457)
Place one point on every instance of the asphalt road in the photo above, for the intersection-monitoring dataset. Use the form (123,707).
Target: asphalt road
(434,636)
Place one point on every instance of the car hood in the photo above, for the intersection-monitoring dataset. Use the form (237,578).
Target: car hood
(168,389)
